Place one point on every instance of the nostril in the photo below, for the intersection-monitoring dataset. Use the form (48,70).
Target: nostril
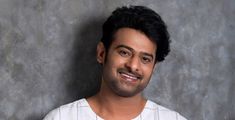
(132,67)
(134,64)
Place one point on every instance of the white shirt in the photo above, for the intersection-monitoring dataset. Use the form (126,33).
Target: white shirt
(81,110)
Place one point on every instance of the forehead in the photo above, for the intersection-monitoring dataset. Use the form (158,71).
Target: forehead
(134,39)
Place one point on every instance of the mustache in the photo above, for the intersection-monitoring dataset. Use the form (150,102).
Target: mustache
(129,72)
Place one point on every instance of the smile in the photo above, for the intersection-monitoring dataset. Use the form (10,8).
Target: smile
(129,77)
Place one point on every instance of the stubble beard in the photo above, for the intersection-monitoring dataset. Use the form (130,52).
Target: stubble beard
(121,88)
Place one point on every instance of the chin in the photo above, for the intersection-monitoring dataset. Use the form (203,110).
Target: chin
(126,93)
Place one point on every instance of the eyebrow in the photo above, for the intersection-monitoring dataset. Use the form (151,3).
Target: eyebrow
(131,49)
(124,46)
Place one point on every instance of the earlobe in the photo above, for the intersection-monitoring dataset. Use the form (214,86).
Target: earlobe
(100,53)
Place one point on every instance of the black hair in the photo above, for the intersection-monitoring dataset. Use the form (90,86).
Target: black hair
(139,18)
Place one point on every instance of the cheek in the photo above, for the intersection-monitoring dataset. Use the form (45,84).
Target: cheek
(113,63)
(148,71)
(116,60)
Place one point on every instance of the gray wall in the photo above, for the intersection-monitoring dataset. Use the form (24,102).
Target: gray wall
(47,56)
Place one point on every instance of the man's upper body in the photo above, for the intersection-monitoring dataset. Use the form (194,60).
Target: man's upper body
(81,110)
(134,40)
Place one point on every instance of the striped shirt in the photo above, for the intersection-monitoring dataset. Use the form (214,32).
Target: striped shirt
(81,110)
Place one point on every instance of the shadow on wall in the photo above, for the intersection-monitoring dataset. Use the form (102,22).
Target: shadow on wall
(84,73)
(85,70)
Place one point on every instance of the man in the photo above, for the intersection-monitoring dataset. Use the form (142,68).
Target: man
(134,39)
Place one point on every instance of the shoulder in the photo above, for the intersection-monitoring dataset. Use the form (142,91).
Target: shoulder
(67,111)
(162,113)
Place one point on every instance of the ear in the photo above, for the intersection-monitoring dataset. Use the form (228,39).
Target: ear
(100,53)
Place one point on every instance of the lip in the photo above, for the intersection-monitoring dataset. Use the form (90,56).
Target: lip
(129,77)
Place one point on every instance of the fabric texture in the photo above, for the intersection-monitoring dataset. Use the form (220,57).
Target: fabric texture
(81,110)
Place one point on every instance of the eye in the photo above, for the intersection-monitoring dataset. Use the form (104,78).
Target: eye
(146,59)
(124,53)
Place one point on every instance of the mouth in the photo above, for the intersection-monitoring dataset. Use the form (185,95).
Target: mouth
(129,76)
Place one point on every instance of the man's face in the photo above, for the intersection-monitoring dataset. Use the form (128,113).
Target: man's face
(129,63)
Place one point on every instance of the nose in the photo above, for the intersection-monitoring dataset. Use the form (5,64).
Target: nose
(133,64)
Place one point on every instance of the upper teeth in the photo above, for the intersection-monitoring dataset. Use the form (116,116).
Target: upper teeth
(128,76)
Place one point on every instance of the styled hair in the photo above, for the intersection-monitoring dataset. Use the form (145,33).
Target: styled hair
(142,19)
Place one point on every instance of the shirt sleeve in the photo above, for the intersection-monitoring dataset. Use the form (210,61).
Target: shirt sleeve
(181,117)
(53,115)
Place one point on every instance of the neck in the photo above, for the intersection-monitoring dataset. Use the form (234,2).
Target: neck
(109,105)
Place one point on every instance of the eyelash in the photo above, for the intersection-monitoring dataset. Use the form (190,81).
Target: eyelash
(146,60)
(125,53)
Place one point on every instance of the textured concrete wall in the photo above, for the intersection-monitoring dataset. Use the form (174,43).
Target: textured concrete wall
(47,56)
